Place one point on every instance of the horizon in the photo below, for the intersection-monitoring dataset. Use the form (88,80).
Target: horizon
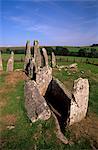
(52,23)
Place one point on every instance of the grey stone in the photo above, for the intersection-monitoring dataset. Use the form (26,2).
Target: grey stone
(10,63)
(1,65)
(43,79)
(53,60)
(45,56)
(72,105)
(73,67)
(28,55)
(79,104)
(37,55)
(32,68)
(35,104)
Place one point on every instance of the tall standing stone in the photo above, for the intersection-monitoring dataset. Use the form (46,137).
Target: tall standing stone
(37,55)
(1,65)
(32,73)
(53,60)
(10,64)
(79,104)
(12,54)
(28,54)
(45,56)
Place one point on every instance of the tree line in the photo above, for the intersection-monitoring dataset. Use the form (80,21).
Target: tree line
(62,51)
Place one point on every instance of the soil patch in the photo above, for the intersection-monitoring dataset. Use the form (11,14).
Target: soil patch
(13,77)
(87,128)
(9,119)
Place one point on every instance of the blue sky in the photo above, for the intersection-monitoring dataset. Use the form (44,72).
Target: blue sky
(52,22)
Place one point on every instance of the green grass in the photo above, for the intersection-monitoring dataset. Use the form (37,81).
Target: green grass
(41,135)
(76,49)
(16,56)
(17,65)
(77,59)
(2,79)
(85,71)
(27,135)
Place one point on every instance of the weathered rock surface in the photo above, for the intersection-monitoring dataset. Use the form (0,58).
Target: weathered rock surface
(1,65)
(79,104)
(10,63)
(37,55)
(32,70)
(28,55)
(73,66)
(53,60)
(45,56)
(43,79)
(71,106)
(35,104)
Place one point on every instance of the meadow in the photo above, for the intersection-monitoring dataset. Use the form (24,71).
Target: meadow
(41,135)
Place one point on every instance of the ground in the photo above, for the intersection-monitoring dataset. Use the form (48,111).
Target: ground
(17,132)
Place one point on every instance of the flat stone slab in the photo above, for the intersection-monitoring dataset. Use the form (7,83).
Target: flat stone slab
(35,104)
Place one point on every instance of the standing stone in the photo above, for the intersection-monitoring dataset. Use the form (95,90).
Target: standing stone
(37,55)
(35,104)
(53,60)
(43,79)
(28,54)
(10,64)
(45,56)
(32,73)
(79,104)
(12,54)
(1,65)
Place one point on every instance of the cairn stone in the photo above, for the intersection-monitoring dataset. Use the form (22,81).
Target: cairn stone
(53,60)
(1,65)
(79,104)
(10,64)
(28,54)
(37,55)
(43,79)
(45,57)
(35,104)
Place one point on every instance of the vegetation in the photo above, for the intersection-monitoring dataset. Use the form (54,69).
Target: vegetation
(84,51)
(41,135)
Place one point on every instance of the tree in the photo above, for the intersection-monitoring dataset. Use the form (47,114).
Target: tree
(93,52)
(82,52)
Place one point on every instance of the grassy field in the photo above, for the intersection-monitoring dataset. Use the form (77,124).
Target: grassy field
(76,49)
(16,56)
(41,135)
(75,59)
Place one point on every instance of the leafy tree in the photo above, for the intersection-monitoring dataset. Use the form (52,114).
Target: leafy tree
(93,52)
(8,51)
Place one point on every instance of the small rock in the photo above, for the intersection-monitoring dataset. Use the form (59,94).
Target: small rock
(10,127)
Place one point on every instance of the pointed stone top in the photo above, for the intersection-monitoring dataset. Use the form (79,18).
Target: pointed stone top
(36,42)
(12,53)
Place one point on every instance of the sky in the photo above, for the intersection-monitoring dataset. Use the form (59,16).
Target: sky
(52,22)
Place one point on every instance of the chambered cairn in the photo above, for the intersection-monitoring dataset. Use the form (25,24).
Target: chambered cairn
(1,65)
(46,95)
(10,63)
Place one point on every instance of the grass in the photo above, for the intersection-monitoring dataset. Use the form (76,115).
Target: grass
(27,135)
(17,65)
(41,135)
(76,49)
(85,71)
(16,56)
(77,59)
